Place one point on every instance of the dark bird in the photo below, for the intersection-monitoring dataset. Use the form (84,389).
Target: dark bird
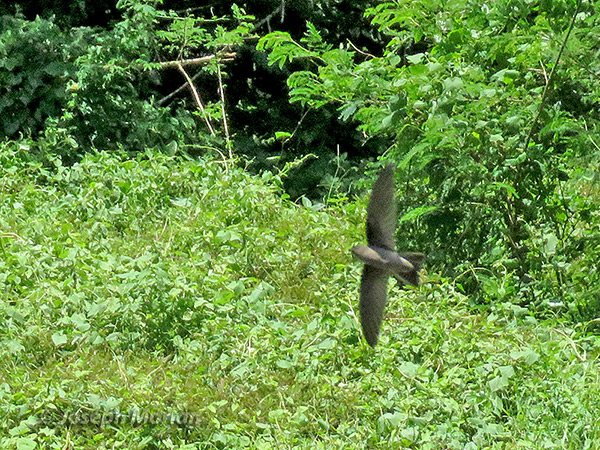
(380,257)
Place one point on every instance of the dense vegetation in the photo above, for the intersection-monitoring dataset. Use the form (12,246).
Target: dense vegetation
(178,196)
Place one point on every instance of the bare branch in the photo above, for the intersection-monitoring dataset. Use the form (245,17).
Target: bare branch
(166,98)
(197,98)
(222,93)
(223,57)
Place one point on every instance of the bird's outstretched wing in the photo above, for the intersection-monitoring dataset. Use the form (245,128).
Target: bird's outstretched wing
(373,297)
(381,212)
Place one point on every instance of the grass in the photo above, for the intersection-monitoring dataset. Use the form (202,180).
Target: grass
(162,286)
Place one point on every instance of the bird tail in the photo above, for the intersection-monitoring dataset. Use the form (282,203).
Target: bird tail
(411,277)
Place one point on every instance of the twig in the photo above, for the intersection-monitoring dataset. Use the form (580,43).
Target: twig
(358,50)
(223,57)
(297,126)
(413,379)
(226,127)
(337,168)
(594,143)
(551,77)
(267,19)
(177,91)
(572,343)
(546,79)
(197,99)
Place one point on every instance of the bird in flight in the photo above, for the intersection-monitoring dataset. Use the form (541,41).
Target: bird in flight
(380,256)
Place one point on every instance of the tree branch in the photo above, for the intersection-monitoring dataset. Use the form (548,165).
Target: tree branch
(223,57)
(197,99)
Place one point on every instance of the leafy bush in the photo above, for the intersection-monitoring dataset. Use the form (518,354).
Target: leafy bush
(36,61)
(486,129)
(101,87)
(113,102)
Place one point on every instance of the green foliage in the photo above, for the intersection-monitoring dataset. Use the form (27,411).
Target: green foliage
(285,49)
(113,99)
(36,60)
(119,100)
(457,89)
(109,105)
(188,286)
(101,86)
(191,287)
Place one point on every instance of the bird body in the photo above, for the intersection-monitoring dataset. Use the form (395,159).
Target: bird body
(396,264)
(380,257)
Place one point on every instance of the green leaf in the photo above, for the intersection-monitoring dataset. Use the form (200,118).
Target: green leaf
(452,84)
(282,135)
(498,383)
(417,58)
(59,338)
(327,344)
(529,356)
(416,213)
(26,444)
(348,111)
(284,364)
(409,369)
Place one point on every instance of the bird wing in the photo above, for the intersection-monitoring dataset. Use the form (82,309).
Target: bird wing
(373,297)
(381,212)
